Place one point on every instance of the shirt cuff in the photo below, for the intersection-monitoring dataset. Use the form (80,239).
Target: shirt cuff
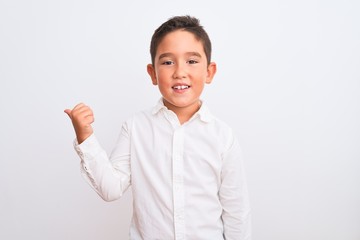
(88,149)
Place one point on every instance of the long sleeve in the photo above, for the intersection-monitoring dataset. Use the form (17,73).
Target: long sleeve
(234,195)
(109,177)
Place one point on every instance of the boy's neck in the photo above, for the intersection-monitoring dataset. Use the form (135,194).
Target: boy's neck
(184,113)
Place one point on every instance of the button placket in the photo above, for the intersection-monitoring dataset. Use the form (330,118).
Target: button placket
(178,181)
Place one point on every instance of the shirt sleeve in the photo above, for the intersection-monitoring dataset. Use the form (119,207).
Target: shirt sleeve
(233,195)
(108,176)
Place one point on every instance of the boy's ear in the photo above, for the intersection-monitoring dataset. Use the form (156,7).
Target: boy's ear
(152,73)
(211,70)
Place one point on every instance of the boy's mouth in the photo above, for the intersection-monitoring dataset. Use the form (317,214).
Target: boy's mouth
(180,87)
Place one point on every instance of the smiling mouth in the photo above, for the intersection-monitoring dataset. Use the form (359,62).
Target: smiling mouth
(180,87)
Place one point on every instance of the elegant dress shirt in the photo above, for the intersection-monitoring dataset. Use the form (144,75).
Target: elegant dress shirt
(187,179)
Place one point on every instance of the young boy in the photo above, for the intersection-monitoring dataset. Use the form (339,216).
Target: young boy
(183,164)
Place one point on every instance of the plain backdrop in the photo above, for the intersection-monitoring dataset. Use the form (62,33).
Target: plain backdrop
(288,83)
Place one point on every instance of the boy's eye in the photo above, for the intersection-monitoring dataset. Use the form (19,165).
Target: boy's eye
(168,62)
(192,61)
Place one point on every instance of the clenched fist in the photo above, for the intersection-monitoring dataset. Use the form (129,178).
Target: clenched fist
(82,117)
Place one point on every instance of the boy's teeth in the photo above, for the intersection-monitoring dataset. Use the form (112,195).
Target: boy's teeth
(181,87)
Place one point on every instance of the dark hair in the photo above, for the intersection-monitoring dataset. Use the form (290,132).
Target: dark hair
(186,23)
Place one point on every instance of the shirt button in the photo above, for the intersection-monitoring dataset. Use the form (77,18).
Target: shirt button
(178,178)
(179,216)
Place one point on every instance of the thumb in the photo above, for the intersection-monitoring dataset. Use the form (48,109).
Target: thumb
(68,112)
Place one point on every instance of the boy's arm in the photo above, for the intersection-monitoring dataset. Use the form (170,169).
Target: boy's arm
(234,196)
(108,177)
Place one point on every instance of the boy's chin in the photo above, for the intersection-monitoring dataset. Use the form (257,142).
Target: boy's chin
(182,104)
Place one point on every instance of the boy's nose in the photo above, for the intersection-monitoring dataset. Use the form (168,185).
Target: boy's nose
(179,72)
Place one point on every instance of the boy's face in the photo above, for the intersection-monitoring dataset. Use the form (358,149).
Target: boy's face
(180,70)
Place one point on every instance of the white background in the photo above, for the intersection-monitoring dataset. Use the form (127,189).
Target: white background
(288,83)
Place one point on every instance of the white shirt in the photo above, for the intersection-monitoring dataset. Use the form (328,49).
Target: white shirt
(187,180)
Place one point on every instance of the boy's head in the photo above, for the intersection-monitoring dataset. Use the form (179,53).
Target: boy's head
(180,53)
(186,23)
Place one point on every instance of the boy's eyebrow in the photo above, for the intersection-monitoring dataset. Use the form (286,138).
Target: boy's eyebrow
(194,54)
(163,55)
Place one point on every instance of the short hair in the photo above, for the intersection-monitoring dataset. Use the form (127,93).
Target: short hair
(186,23)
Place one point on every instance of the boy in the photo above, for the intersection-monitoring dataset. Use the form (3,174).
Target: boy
(183,164)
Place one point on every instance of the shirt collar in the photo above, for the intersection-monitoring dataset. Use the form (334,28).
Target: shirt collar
(203,113)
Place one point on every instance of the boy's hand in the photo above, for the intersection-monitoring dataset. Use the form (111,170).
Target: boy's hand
(82,117)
